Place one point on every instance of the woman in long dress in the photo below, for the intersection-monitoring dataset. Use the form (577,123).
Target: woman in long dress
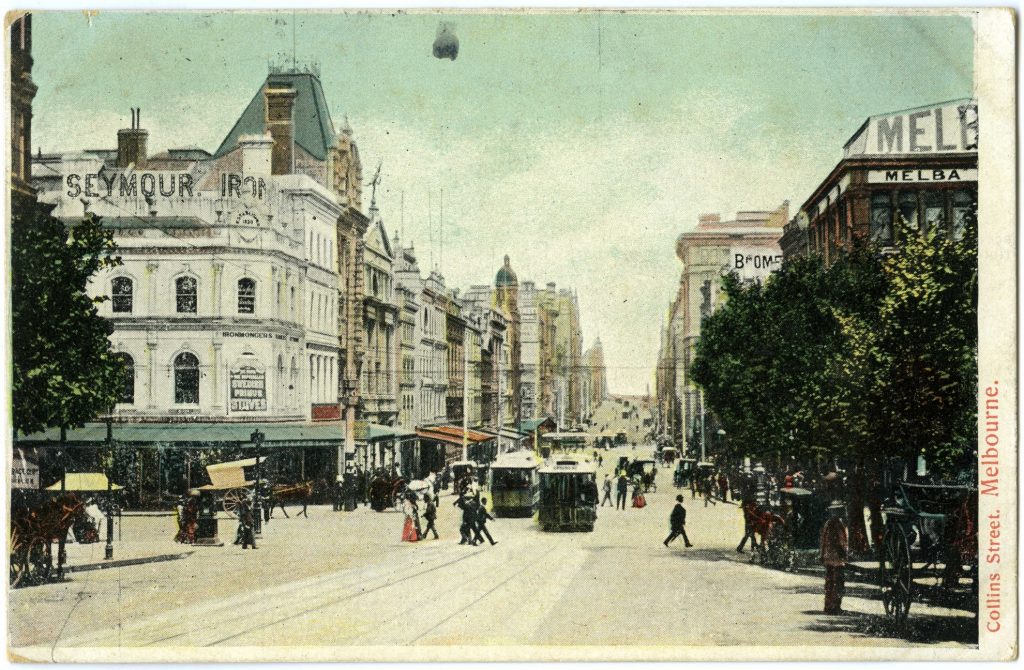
(409,533)
(638,497)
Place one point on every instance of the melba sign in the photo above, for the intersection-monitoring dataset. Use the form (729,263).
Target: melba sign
(950,128)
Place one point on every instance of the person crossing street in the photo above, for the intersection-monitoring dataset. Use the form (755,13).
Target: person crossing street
(607,487)
(677,523)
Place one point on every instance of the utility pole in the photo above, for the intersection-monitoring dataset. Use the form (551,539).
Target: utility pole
(465,394)
(108,550)
(500,413)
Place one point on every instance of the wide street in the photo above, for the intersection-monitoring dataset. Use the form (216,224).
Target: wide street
(340,579)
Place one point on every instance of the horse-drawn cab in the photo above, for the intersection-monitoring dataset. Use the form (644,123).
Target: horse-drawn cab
(790,531)
(928,526)
(684,472)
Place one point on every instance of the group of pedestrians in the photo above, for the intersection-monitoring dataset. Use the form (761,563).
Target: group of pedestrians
(474,520)
(622,486)
(472,530)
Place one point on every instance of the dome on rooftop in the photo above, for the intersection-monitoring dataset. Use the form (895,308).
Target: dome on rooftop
(506,276)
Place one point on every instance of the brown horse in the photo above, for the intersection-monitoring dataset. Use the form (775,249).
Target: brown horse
(300,493)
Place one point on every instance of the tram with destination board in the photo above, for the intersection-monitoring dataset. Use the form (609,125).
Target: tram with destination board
(568,497)
(513,484)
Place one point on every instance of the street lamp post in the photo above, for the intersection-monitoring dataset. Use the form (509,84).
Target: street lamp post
(257,521)
(108,550)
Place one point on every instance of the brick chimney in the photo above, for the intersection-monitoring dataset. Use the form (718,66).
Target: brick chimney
(280,103)
(131,142)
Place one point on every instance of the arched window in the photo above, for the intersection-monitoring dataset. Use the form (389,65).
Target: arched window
(246,296)
(186,379)
(185,290)
(127,394)
(121,298)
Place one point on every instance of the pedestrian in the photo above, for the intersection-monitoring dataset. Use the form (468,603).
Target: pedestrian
(430,514)
(709,488)
(468,519)
(607,488)
(245,535)
(480,527)
(749,511)
(600,460)
(834,551)
(723,485)
(639,501)
(620,491)
(677,522)
(693,485)
(409,533)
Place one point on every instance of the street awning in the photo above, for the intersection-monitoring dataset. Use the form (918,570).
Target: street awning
(195,434)
(453,434)
(507,433)
(530,425)
(84,481)
(378,432)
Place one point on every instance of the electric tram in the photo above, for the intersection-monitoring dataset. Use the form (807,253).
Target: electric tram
(568,497)
(512,481)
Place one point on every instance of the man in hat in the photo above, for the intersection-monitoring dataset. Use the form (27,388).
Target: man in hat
(677,523)
(834,550)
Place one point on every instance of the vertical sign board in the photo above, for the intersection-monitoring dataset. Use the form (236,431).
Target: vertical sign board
(754,263)
(24,472)
(248,390)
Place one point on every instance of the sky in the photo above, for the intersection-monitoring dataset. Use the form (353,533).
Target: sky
(580,144)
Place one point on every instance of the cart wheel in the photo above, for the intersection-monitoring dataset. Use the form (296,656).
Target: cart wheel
(896,575)
(36,566)
(18,559)
(233,500)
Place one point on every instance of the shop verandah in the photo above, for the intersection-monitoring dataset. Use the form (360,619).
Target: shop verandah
(156,463)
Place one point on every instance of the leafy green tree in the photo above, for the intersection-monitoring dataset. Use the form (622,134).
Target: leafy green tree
(64,372)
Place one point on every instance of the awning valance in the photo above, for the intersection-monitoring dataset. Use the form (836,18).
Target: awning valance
(84,481)
(194,434)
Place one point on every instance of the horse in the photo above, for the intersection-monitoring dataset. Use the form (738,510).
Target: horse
(296,493)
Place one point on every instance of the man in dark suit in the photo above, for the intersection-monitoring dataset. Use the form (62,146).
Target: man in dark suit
(677,521)
(482,515)
(622,487)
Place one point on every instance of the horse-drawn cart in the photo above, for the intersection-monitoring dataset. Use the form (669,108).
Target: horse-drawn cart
(928,525)
(230,483)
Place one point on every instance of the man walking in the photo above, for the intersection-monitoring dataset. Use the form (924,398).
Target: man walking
(677,523)
(467,505)
(621,489)
(834,551)
(482,515)
(430,514)
(607,488)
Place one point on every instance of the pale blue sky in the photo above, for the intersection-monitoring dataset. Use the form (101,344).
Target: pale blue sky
(580,144)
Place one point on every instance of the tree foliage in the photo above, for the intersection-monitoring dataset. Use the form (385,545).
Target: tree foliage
(64,372)
(866,357)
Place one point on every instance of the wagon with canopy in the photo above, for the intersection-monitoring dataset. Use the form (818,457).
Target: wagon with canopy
(230,482)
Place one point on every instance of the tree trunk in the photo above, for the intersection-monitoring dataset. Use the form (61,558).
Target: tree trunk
(855,511)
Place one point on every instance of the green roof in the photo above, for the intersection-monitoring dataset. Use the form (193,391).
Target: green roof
(290,434)
(531,425)
(314,131)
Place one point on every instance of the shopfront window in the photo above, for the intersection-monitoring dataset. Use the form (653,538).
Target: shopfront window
(881,219)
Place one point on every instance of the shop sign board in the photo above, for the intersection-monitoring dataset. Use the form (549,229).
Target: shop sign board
(248,387)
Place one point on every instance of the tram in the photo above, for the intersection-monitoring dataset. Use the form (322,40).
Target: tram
(568,497)
(512,482)
(565,442)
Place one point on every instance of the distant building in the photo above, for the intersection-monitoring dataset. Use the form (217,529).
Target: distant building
(379,385)
(747,246)
(595,379)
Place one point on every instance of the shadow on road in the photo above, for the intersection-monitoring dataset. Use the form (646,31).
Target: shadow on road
(920,628)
